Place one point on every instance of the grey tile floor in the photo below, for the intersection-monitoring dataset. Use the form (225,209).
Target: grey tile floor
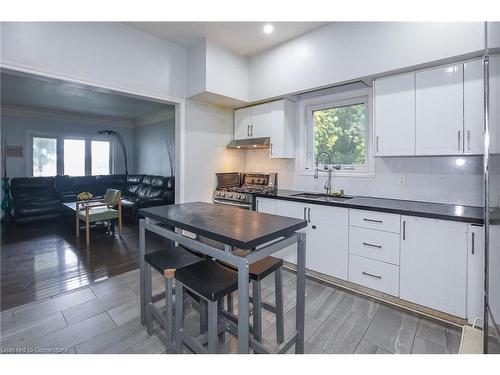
(104,318)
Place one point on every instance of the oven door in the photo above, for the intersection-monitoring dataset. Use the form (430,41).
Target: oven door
(245,206)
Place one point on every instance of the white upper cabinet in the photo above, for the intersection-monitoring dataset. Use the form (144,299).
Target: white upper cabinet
(439,111)
(283,129)
(261,121)
(276,120)
(473,107)
(433,264)
(431,112)
(395,115)
(242,122)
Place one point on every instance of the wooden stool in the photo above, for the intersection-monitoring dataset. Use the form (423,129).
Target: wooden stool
(211,281)
(167,262)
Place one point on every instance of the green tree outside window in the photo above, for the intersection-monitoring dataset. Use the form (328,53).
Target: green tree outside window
(341,132)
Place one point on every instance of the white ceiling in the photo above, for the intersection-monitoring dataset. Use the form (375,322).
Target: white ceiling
(243,38)
(40,93)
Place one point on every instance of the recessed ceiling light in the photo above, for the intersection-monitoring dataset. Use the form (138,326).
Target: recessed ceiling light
(268,29)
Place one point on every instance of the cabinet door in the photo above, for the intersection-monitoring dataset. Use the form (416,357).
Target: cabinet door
(261,121)
(433,264)
(295,210)
(439,111)
(395,115)
(473,107)
(327,240)
(475,272)
(267,206)
(242,122)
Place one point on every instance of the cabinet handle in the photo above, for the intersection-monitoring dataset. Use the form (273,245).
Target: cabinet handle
(376,144)
(468,140)
(373,220)
(248,130)
(473,242)
(372,245)
(257,205)
(404,230)
(305,209)
(309,215)
(251,130)
(371,275)
(458,143)
(271,148)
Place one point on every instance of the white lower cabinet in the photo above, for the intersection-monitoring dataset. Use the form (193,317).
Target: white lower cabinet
(475,272)
(433,264)
(327,240)
(298,211)
(374,274)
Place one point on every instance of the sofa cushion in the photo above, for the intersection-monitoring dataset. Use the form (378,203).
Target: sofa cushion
(33,188)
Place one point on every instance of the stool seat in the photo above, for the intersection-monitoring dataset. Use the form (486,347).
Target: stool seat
(169,260)
(257,270)
(209,279)
(262,268)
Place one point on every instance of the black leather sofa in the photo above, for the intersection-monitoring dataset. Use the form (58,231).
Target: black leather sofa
(38,198)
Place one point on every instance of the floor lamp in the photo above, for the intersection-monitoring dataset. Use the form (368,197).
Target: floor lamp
(119,138)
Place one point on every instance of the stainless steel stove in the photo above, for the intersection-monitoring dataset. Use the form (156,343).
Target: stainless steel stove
(238,189)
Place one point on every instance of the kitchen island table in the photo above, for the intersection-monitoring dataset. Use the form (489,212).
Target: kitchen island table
(263,234)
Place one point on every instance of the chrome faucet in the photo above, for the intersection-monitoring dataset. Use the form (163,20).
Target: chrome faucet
(328,168)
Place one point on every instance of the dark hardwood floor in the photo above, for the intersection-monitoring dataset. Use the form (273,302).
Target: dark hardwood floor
(42,259)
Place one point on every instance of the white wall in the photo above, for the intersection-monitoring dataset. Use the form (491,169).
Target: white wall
(107,54)
(151,146)
(430,179)
(227,73)
(208,130)
(217,75)
(345,51)
(15,125)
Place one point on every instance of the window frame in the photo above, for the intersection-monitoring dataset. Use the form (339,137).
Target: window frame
(30,134)
(363,96)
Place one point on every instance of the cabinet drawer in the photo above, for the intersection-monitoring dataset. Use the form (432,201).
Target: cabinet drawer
(375,220)
(374,244)
(373,274)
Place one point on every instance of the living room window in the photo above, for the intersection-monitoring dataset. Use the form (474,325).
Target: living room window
(72,156)
(100,156)
(44,156)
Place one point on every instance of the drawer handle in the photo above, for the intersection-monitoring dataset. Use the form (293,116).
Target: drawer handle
(371,275)
(373,220)
(372,245)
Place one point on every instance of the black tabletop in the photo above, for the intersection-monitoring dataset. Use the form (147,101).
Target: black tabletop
(230,225)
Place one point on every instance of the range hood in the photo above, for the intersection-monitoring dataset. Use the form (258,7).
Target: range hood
(250,143)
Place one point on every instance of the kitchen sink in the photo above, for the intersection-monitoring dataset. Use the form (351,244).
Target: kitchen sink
(322,197)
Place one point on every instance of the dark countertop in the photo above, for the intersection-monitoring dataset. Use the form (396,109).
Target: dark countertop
(467,214)
(230,225)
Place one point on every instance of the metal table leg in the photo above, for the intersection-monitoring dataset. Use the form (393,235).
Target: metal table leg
(243,325)
(142,251)
(301,291)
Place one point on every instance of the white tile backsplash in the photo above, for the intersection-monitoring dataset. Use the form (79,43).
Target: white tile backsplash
(429,179)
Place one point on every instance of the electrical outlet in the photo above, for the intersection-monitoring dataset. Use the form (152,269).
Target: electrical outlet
(402,179)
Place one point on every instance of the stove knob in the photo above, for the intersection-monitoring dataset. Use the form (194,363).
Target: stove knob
(230,195)
(218,193)
(242,197)
(222,194)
